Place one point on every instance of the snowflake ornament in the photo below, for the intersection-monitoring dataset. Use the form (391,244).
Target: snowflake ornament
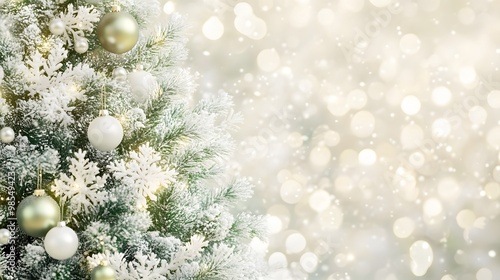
(83,189)
(143,173)
(77,22)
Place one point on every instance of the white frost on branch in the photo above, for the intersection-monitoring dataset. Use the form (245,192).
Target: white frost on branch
(83,189)
(143,267)
(188,252)
(78,21)
(143,172)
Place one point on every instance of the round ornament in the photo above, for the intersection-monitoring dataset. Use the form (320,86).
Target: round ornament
(105,132)
(61,242)
(7,135)
(81,45)
(57,26)
(142,84)
(118,31)
(4,236)
(120,74)
(103,272)
(37,214)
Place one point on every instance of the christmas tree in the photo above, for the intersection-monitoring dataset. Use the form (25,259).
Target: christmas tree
(112,166)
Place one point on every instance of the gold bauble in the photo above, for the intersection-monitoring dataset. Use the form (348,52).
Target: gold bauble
(37,214)
(118,32)
(103,272)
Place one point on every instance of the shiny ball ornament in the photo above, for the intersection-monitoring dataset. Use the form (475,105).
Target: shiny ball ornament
(57,26)
(103,272)
(4,236)
(118,31)
(142,84)
(120,74)
(61,242)
(105,132)
(81,45)
(37,214)
(7,135)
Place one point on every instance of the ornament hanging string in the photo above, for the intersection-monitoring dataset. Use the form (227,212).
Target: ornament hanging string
(103,98)
(39,178)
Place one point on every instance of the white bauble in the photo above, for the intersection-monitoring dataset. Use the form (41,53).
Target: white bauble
(142,84)
(4,236)
(81,45)
(105,132)
(120,74)
(61,242)
(7,135)
(57,26)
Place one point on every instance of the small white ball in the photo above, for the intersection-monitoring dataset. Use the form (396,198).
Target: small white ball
(142,85)
(105,133)
(57,27)
(4,236)
(81,45)
(61,242)
(7,135)
(120,74)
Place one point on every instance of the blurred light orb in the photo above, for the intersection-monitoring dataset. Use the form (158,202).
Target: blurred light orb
(492,190)
(493,137)
(389,69)
(448,277)
(320,200)
(466,218)
(494,99)
(412,136)
(448,189)
(213,28)
(367,157)
(295,140)
(320,156)
(357,99)
(309,262)
(410,105)
(331,219)
(337,105)
(295,243)
(417,159)
(422,257)
(169,7)
(268,60)
(478,115)
(274,224)
(441,128)
(291,191)
(403,227)
(380,3)
(409,43)
(432,207)
(326,17)
(331,138)
(352,5)
(484,274)
(243,9)
(467,75)
(441,96)
(363,124)
(278,260)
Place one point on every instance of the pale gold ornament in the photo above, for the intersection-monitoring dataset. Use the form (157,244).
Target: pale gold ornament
(118,31)
(37,214)
(103,272)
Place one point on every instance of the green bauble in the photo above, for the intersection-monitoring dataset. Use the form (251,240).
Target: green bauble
(37,214)
(103,272)
(118,31)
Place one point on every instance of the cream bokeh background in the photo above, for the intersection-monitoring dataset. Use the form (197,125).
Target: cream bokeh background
(371,130)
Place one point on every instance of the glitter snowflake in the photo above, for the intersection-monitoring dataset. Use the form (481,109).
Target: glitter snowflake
(143,172)
(83,190)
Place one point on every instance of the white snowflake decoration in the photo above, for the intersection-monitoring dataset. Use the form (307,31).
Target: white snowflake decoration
(78,21)
(83,189)
(143,173)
